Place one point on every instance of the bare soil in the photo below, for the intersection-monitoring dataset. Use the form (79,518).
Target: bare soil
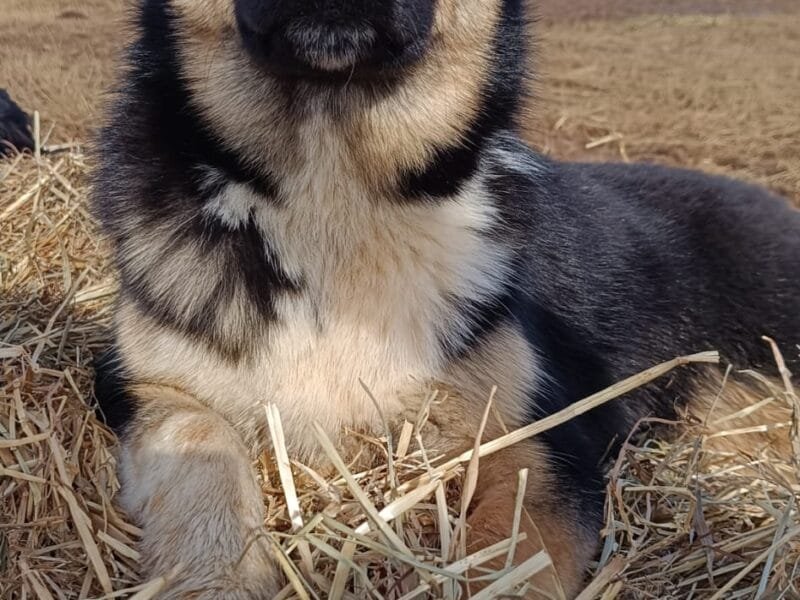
(718,93)
(569,10)
(58,57)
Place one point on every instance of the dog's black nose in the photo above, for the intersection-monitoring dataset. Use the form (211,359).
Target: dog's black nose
(329,37)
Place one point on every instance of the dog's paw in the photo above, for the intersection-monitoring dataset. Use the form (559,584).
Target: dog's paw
(253,576)
(444,424)
(263,587)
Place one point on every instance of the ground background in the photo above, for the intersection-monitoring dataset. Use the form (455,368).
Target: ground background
(712,84)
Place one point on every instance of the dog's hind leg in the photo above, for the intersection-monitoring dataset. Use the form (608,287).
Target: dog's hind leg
(548,524)
(741,414)
(187,479)
(549,520)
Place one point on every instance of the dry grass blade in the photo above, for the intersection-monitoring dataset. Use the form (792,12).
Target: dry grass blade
(518,576)
(793,399)
(366,504)
(287,481)
(603,579)
(791,535)
(519,507)
(86,534)
(577,409)
(471,481)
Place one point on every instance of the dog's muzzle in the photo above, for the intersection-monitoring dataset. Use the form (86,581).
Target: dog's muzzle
(329,38)
(331,47)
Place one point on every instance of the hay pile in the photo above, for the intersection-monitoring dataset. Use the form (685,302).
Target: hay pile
(683,521)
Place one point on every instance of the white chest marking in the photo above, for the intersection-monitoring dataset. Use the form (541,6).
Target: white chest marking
(379,280)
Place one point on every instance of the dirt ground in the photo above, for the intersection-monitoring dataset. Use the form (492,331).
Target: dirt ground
(720,94)
(569,10)
(58,56)
(710,84)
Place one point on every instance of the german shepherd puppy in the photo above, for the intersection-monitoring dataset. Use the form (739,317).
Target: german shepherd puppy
(306,194)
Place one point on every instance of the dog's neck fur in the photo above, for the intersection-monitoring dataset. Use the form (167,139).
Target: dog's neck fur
(417,136)
(322,238)
(380,301)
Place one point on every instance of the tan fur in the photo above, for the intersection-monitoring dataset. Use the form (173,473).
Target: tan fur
(187,479)
(379,136)
(357,318)
(503,360)
(207,19)
(506,359)
(548,524)
(157,254)
(734,420)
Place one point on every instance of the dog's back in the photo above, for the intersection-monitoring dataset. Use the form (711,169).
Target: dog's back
(657,261)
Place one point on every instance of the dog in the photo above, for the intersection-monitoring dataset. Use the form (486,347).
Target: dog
(15,127)
(306,195)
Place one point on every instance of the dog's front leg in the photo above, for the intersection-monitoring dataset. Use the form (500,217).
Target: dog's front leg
(188,481)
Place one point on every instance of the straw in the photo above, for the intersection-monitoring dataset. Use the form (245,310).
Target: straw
(681,514)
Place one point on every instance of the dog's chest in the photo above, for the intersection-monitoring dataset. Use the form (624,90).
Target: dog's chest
(381,286)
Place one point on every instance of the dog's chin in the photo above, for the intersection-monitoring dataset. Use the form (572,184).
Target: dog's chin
(331,69)
(331,74)
(334,71)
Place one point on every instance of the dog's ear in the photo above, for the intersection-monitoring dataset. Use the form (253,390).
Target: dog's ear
(15,126)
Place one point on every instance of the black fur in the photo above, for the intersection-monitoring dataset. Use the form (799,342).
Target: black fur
(115,404)
(617,267)
(156,150)
(630,265)
(15,129)
(378,38)
(503,93)
(155,117)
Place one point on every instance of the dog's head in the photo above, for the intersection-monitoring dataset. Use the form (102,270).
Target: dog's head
(401,79)
(335,38)
(345,39)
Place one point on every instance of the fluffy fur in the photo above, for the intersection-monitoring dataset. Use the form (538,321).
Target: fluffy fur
(282,234)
